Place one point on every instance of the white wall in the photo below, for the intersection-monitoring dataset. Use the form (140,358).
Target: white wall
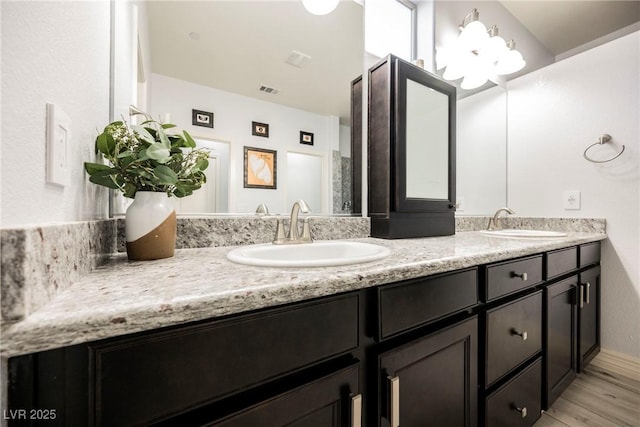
(54,52)
(554,114)
(481,152)
(233,115)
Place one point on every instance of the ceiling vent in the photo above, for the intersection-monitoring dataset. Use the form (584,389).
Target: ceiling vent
(297,59)
(268,89)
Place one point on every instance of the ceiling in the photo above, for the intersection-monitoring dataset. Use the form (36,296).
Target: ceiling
(242,45)
(565,25)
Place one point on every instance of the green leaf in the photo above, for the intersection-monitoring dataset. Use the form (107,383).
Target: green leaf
(202,164)
(163,138)
(129,190)
(126,154)
(143,133)
(165,175)
(97,168)
(189,142)
(168,126)
(106,144)
(105,181)
(158,152)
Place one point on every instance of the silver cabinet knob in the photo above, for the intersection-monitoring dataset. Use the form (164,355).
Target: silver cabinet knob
(522,334)
(522,276)
(523,411)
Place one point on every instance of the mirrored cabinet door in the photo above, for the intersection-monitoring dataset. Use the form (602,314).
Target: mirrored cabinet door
(411,143)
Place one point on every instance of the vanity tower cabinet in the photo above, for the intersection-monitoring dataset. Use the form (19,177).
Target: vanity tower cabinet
(411,151)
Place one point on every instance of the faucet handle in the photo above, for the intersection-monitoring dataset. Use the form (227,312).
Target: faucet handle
(262,209)
(280,236)
(306,231)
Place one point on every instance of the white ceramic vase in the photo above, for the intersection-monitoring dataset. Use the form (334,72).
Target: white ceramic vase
(150,226)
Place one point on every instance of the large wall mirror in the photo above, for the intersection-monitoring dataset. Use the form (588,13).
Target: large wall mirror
(263,61)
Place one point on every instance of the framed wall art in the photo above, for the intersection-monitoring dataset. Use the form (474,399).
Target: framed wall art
(260,168)
(202,118)
(260,129)
(306,138)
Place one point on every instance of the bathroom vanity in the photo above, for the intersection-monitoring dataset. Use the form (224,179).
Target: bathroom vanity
(465,330)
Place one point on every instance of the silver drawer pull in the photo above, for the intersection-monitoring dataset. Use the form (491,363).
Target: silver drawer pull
(522,334)
(523,411)
(394,413)
(356,411)
(581,296)
(588,292)
(522,276)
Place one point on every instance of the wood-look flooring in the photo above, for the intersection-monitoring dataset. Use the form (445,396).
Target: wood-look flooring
(606,394)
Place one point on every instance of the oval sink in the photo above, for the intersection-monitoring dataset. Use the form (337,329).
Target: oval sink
(523,233)
(317,254)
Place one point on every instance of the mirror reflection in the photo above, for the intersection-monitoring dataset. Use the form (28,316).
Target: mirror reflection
(427,142)
(246,62)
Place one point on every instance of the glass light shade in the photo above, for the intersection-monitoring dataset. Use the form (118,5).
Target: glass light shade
(473,36)
(476,74)
(320,7)
(510,62)
(457,65)
(493,49)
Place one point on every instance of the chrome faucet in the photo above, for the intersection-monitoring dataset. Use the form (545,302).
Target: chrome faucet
(294,235)
(493,222)
(262,209)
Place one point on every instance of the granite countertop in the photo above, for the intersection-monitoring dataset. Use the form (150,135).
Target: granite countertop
(124,297)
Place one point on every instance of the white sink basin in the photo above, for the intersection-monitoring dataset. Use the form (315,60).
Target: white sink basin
(317,254)
(523,233)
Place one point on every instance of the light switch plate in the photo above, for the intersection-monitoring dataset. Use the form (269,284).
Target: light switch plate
(58,131)
(572,200)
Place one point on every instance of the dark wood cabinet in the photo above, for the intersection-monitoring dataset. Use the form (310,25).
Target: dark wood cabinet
(431,381)
(518,402)
(487,345)
(561,333)
(411,151)
(513,335)
(331,401)
(588,316)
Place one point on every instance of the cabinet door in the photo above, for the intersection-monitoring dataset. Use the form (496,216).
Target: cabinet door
(589,316)
(560,338)
(331,401)
(432,381)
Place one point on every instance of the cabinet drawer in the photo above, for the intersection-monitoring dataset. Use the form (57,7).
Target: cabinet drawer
(589,254)
(514,334)
(511,276)
(166,373)
(518,402)
(323,402)
(561,261)
(409,304)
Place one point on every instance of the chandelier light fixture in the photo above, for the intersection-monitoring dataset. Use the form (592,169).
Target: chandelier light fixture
(478,54)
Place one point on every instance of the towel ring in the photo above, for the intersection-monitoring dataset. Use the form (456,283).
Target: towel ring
(602,140)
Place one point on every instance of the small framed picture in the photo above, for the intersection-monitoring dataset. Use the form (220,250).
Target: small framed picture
(260,168)
(202,118)
(306,138)
(260,129)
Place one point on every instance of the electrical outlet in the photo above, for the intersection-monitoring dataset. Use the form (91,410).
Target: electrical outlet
(572,200)
(58,124)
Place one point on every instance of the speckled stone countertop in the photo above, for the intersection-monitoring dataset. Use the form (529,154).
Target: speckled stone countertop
(123,297)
